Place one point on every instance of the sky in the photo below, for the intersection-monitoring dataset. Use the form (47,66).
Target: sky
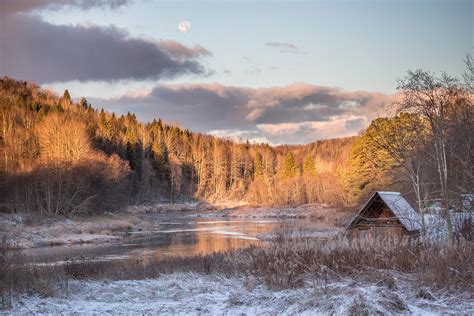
(268,71)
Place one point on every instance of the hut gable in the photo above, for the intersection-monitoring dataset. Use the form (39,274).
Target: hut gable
(387,209)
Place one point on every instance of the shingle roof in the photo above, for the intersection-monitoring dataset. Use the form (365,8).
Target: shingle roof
(404,212)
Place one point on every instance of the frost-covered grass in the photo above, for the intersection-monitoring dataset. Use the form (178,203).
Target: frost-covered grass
(42,232)
(294,274)
(291,276)
(286,263)
(194,293)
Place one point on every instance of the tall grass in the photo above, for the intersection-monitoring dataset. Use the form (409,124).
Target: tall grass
(286,263)
(18,277)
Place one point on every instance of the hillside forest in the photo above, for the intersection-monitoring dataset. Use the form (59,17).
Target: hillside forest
(60,157)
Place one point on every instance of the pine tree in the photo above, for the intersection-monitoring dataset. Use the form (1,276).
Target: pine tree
(289,169)
(258,166)
(309,167)
(66,100)
(83,103)
(269,163)
(160,158)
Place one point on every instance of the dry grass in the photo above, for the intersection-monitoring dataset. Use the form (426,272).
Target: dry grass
(286,263)
(17,277)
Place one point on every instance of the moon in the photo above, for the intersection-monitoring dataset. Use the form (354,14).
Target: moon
(184,26)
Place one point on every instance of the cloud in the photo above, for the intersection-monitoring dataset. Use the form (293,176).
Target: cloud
(297,113)
(355,124)
(305,132)
(32,49)
(253,136)
(16,6)
(285,47)
(178,50)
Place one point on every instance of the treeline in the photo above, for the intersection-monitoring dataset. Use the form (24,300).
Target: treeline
(426,149)
(62,157)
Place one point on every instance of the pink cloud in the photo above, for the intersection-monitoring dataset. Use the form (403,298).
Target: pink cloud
(296,113)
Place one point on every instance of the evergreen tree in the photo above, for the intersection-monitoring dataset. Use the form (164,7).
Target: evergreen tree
(258,166)
(66,100)
(83,104)
(289,169)
(160,158)
(309,167)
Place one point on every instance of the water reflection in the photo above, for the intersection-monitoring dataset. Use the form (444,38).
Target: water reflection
(216,236)
(171,235)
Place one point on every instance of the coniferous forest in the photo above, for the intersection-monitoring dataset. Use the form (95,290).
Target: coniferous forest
(65,157)
(62,157)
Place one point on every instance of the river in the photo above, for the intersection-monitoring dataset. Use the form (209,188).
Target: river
(176,234)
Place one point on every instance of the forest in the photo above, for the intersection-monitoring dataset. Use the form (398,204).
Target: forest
(61,157)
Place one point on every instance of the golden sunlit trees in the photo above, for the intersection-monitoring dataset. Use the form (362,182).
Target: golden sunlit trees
(405,138)
(289,168)
(310,179)
(62,138)
(258,166)
(309,167)
(57,157)
(370,167)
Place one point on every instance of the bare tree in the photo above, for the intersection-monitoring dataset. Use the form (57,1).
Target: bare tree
(469,73)
(63,139)
(435,99)
(405,138)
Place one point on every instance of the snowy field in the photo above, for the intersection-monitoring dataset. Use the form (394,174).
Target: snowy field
(189,293)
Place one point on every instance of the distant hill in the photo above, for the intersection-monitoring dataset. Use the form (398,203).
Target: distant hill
(59,156)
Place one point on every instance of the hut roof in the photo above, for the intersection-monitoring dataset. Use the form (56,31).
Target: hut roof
(400,207)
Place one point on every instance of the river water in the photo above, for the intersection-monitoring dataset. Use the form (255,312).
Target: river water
(176,234)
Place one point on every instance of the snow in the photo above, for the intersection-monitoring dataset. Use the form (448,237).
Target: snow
(326,233)
(45,232)
(436,226)
(190,293)
(409,218)
(402,209)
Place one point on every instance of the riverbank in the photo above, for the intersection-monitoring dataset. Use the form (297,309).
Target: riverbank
(32,231)
(292,276)
(27,231)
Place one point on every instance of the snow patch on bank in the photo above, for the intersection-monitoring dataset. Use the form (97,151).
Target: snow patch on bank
(190,293)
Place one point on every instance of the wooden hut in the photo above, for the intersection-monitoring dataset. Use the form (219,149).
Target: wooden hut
(385,214)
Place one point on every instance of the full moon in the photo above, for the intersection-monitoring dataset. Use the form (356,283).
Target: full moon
(184,26)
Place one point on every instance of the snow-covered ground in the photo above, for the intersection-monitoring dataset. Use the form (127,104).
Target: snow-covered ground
(190,293)
(436,226)
(60,231)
